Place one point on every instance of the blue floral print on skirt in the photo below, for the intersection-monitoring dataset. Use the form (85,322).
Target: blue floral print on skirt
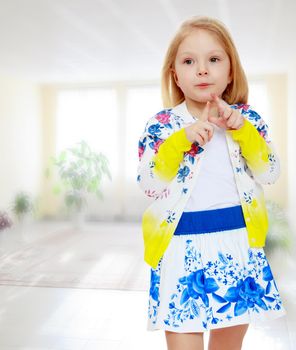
(212,280)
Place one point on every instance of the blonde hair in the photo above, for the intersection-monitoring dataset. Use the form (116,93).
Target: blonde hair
(237,89)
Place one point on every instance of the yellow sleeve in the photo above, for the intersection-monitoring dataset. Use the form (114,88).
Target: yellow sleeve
(170,154)
(254,148)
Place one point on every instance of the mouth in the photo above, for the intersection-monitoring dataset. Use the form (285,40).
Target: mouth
(203,85)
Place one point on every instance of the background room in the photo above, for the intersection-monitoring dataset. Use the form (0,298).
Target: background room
(78,81)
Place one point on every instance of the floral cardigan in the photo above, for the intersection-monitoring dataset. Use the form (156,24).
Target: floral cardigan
(169,165)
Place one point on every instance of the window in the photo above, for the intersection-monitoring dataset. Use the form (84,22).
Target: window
(90,115)
(111,121)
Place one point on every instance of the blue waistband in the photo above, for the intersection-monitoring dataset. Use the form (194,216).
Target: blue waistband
(199,222)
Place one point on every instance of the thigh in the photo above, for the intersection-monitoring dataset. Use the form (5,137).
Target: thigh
(227,338)
(184,341)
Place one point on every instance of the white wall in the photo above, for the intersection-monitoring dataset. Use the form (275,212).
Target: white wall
(20,139)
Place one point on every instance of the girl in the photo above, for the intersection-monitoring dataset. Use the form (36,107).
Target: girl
(203,159)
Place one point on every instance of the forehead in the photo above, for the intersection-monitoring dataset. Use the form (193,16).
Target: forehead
(201,40)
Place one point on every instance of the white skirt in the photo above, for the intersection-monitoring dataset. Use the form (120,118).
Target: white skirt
(212,280)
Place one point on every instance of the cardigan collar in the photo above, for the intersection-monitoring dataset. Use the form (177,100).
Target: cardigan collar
(181,110)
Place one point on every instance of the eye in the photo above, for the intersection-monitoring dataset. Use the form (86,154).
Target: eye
(188,61)
(214,59)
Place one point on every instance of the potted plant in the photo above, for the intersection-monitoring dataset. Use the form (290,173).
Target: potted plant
(22,205)
(81,171)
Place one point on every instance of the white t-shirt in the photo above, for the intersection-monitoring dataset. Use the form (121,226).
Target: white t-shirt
(215,185)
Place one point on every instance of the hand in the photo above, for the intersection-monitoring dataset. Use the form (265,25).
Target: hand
(201,131)
(230,119)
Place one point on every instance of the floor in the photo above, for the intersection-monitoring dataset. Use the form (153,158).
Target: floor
(85,318)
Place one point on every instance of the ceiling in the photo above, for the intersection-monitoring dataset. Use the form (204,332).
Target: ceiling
(113,40)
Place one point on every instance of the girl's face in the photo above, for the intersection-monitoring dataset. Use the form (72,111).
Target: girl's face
(202,67)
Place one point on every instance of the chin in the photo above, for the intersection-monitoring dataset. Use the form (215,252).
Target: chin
(204,99)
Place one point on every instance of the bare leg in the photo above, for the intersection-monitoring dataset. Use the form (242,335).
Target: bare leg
(227,338)
(184,341)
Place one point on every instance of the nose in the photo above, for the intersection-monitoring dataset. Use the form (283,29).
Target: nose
(202,69)
(202,72)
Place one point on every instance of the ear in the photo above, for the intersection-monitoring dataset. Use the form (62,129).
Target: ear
(175,76)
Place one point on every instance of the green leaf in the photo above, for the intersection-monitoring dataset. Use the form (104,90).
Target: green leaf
(56,189)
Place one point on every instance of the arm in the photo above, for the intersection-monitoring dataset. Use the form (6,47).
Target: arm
(170,155)
(161,152)
(256,148)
